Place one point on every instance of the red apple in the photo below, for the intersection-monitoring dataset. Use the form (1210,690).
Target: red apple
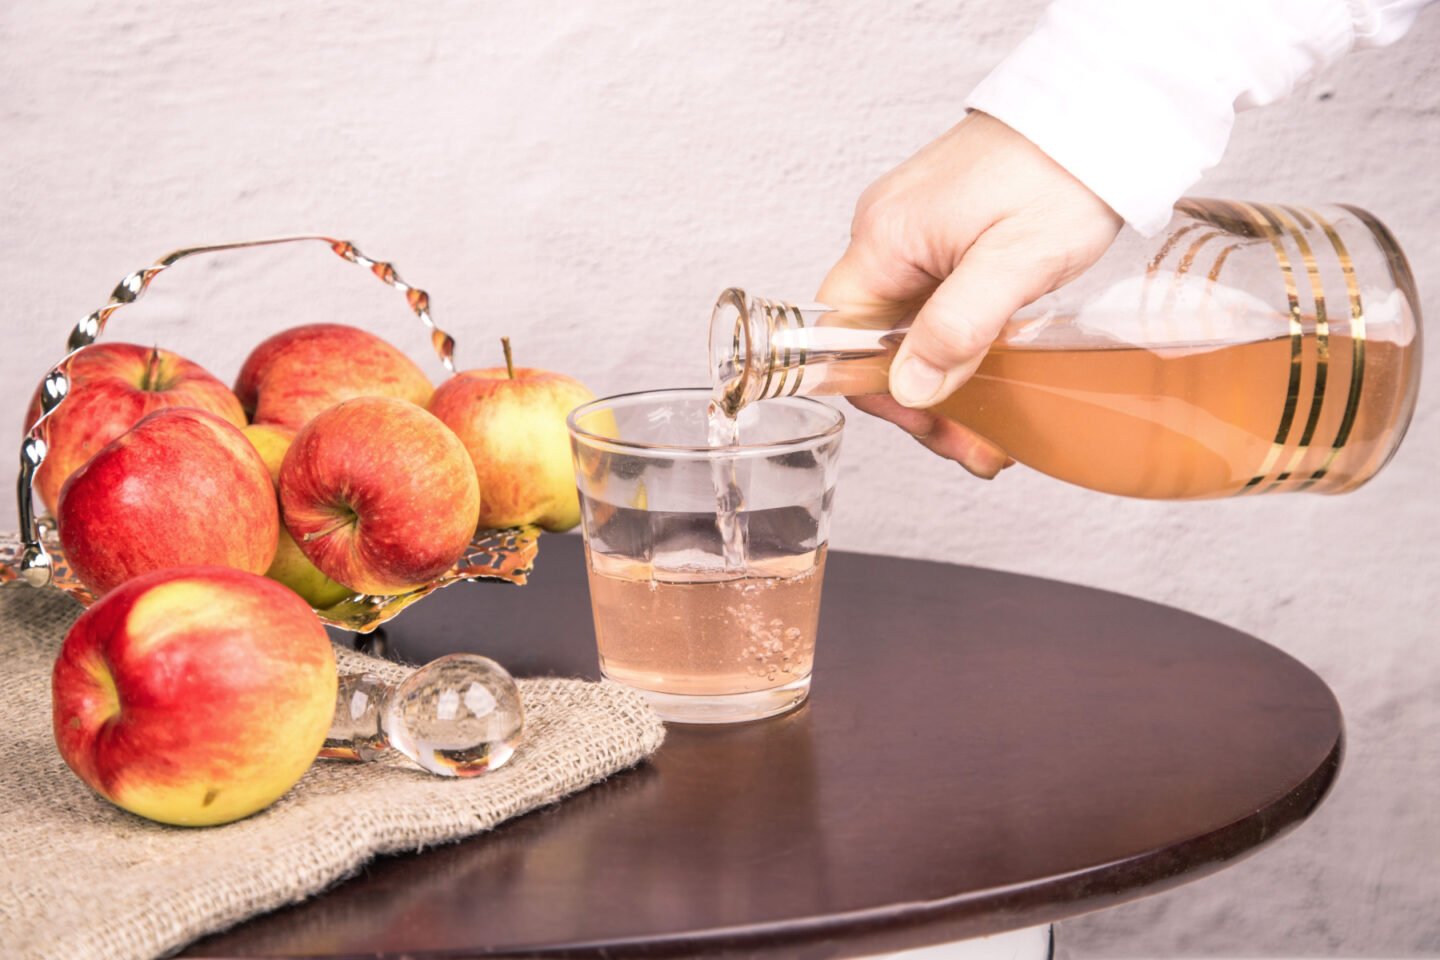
(290,566)
(113,385)
(379,495)
(181,487)
(194,695)
(295,374)
(512,421)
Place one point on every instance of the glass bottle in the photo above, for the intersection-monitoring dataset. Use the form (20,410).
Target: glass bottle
(1248,348)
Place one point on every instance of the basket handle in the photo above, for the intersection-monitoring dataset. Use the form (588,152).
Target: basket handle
(36,566)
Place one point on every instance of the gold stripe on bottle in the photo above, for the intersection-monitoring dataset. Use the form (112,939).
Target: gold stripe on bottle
(779,319)
(1218,213)
(1152,271)
(1220,259)
(1154,265)
(1300,216)
(770,328)
(1262,229)
(804,351)
(1209,212)
(1322,336)
(1187,260)
(1357,348)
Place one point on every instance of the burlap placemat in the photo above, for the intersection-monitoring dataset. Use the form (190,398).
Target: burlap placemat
(80,878)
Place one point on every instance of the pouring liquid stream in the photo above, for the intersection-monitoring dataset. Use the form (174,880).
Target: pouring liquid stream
(723,430)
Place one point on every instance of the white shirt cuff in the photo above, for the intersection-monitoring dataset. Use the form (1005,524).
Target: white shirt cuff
(1136,98)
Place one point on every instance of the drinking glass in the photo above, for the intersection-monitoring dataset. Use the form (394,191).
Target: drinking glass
(705,562)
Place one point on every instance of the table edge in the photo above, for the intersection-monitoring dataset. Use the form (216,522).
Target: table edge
(975,913)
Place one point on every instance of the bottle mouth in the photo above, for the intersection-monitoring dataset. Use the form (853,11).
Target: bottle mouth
(758,349)
(731,347)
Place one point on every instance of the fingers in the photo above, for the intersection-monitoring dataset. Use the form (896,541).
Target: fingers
(918,423)
(940,436)
(958,239)
(870,286)
(996,277)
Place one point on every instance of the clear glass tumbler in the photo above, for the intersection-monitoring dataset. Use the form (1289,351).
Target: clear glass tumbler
(710,612)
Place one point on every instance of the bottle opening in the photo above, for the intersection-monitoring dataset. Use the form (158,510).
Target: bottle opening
(731,350)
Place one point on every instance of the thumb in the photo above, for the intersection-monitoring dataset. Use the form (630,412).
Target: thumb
(955,327)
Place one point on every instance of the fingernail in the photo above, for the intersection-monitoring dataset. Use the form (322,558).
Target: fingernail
(916,383)
(987,468)
(985,473)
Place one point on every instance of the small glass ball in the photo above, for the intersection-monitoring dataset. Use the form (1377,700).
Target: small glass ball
(457,716)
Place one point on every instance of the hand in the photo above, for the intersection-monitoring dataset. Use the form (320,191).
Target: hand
(961,236)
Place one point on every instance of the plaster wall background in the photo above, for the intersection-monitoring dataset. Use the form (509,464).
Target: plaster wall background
(585,178)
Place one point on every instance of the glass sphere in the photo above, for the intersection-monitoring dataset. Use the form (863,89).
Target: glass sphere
(457,716)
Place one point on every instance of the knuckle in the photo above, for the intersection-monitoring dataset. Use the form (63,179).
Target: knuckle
(1021,254)
(1036,251)
(878,214)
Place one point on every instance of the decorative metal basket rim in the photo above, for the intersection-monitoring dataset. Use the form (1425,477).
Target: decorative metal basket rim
(35,556)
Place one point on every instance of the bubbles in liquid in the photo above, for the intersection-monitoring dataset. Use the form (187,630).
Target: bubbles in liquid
(456,716)
(688,632)
(773,648)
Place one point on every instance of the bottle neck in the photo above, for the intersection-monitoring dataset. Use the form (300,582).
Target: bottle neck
(761,349)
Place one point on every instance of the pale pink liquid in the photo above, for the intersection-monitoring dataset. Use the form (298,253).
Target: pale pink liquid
(686,632)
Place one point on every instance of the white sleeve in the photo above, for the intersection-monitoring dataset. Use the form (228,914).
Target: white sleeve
(1136,98)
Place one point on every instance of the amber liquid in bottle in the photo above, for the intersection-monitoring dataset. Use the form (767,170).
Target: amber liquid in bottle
(1192,422)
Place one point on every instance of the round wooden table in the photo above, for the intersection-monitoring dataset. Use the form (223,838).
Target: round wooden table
(982,751)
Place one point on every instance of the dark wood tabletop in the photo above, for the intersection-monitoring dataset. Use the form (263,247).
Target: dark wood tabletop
(982,751)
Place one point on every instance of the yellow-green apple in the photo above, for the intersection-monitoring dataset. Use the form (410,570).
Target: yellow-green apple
(512,421)
(379,494)
(181,487)
(290,566)
(113,385)
(295,374)
(194,695)
(270,440)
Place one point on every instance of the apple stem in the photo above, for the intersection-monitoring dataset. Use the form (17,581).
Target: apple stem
(152,369)
(509,359)
(339,524)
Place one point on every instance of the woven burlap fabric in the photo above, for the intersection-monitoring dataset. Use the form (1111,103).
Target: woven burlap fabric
(81,879)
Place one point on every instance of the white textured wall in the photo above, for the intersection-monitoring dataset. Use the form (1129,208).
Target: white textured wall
(585,177)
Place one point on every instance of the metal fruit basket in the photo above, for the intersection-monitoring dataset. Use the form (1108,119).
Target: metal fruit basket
(36,556)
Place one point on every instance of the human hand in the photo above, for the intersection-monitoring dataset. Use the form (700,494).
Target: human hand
(961,236)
